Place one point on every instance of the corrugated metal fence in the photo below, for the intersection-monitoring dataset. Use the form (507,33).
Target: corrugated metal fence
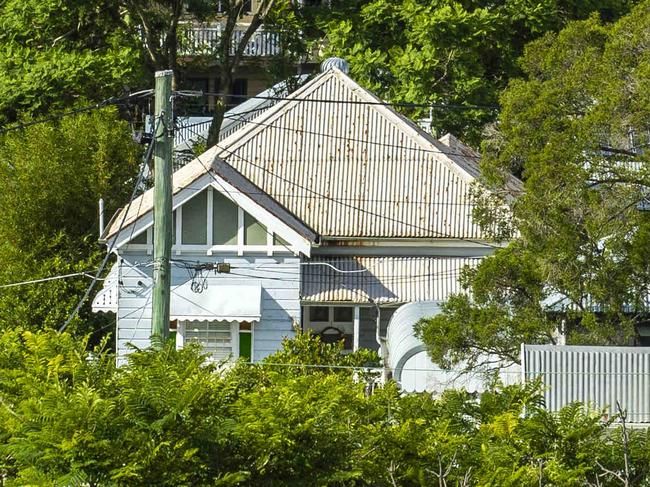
(599,376)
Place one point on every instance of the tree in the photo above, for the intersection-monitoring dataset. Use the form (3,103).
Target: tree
(164,28)
(54,54)
(51,178)
(167,417)
(574,130)
(449,53)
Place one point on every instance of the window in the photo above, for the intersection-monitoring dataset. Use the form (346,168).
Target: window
(221,340)
(214,336)
(224,220)
(140,239)
(277,240)
(143,238)
(343,315)
(255,232)
(332,323)
(238,90)
(319,313)
(211,221)
(195,217)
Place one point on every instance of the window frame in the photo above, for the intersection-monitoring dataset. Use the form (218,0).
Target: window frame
(347,327)
(240,248)
(235,330)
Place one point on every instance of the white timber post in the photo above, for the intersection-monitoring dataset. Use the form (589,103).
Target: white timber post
(357,323)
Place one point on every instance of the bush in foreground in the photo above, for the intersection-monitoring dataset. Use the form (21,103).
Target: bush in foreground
(70,417)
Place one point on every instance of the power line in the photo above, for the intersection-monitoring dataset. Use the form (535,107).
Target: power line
(342,203)
(322,196)
(47,279)
(370,200)
(361,275)
(362,368)
(76,111)
(295,277)
(138,182)
(335,200)
(340,137)
(438,106)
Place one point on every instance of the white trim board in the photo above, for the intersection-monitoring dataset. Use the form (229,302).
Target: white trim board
(273,224)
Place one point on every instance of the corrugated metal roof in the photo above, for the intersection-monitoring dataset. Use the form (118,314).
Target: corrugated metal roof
(400,335)
(385,280)
(349,166)
(190,130)
(413,369)
(354,169)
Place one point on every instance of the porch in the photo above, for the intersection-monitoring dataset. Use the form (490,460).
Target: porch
(197,40)
(354,324)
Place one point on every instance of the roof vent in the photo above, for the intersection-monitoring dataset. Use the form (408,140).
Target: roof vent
(335,62)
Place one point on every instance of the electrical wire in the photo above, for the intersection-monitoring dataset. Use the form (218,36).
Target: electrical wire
(438,106)
(76,111)
(295,277)
(153,131)
(138,182)
(47,279)
(480,372)
(392,279)
(370,200)
(340,137)
(336,201)
(339,200)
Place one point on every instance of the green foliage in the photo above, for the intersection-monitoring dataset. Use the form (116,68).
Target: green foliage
(572,129)
(54,53)
(448,52)
(166,417)
(504,310)
(51,177)
(307,348)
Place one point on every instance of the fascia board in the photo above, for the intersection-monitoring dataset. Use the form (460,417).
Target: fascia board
(272,223)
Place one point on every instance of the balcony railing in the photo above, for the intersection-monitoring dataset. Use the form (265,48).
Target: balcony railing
(204,40)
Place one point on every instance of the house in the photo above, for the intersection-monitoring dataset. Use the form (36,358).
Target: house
(191,130)
(197,45)
(327,212)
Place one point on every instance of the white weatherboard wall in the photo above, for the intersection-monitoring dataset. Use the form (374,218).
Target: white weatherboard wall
(598,376)
(280,305)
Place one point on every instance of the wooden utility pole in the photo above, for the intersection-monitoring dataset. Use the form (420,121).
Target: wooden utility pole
(162,211)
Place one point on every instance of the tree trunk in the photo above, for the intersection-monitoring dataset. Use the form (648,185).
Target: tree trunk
(221,106)
(229,62)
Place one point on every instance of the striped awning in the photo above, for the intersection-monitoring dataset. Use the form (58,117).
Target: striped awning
(216,302)
(382,279)
(106,299)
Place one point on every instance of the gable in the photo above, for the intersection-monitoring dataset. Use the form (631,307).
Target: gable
(349,166)
(211,215)
(332,160)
